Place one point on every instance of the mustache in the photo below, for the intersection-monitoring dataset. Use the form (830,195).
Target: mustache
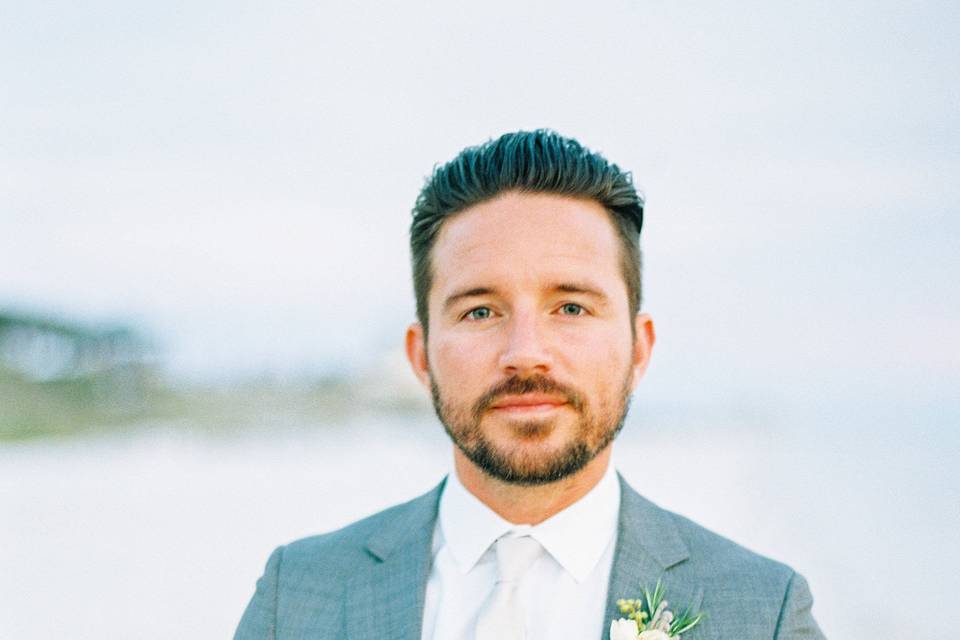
(515,385)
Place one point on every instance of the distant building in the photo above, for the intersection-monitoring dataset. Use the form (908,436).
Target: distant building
(43,349)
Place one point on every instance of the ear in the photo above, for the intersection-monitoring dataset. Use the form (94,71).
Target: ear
(416,346)
(643,345)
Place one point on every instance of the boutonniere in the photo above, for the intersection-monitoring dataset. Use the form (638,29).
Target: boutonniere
(647,618)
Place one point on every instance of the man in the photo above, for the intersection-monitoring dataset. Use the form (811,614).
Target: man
(530,338)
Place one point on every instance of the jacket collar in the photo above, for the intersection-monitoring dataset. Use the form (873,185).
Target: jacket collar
(409,524)
(395,580)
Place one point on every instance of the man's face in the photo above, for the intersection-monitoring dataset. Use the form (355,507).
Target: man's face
(531,356)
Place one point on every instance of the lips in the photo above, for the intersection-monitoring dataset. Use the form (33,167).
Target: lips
(538,393)
(532,402)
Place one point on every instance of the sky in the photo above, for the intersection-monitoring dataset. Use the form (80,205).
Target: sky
(235,179)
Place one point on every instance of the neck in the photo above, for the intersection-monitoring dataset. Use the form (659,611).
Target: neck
(523,504)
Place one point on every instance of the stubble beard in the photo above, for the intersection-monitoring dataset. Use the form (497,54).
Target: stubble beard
(594,431)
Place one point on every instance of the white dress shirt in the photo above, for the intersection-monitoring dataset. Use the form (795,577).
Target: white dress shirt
(563,594)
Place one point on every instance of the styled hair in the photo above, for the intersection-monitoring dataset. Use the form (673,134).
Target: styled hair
(540,161)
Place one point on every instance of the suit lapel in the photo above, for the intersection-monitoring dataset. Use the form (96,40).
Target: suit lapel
(649,546)
(385,597)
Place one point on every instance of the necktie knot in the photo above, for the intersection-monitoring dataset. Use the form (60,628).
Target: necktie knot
(515,555)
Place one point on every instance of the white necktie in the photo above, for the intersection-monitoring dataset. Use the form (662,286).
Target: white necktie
(501,617)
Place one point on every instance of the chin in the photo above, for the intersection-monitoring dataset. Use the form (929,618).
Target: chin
(524,431)
(529,463)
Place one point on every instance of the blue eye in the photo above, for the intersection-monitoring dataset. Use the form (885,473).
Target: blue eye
(480,313)
(571,309)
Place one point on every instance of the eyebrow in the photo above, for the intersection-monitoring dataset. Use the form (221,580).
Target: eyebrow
(565,287)
(472,292)
(580,287)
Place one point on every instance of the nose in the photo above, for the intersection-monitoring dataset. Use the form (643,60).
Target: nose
(526,350)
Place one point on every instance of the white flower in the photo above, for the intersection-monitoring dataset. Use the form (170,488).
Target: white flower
(624,629)
(653,634)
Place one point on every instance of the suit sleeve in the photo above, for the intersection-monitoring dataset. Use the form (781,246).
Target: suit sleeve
(259,621)
(796,616)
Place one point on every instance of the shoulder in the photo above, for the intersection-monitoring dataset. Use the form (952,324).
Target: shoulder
(737,584)
(340,551)
(303,584)
(725,560)
(745,591)
(695,553)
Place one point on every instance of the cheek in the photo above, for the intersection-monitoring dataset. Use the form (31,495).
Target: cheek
(599,361)
(457,365)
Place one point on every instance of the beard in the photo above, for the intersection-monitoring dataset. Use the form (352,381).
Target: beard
(594,431)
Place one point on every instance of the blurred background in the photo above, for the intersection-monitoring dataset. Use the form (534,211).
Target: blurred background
(204,283)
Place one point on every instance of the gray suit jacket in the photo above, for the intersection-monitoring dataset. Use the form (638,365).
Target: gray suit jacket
(367,581)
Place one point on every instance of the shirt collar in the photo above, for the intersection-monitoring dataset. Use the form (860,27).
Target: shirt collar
(576,537)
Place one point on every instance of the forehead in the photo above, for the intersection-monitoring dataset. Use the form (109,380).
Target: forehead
(523,239)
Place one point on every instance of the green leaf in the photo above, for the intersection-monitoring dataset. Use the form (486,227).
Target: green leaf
(684,624)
